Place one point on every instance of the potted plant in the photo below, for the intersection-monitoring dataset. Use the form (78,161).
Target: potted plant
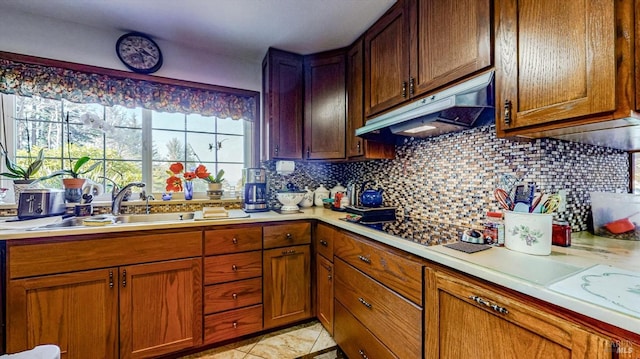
(22,176)
(73,185)
(214,184)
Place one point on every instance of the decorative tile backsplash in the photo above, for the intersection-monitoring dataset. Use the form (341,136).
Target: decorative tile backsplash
(450,179)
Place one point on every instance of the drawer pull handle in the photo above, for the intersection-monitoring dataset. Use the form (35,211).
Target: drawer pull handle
(289,236)
(234,296)
(364,302)
(234,267)
(495,307)
(289,252)
(364,259)
(124,278)
(110,279)
(235,325)
(329,277)
(324,243)
(362,354)
(234,240)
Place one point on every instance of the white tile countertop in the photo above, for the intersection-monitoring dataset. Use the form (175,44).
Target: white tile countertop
(536,276)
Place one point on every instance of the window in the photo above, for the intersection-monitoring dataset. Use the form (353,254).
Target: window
(132,144)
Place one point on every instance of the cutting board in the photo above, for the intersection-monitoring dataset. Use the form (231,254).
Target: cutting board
(233,214)
(604,285)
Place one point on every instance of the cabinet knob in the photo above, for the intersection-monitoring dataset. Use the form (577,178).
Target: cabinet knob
(289,236)
(234,240)
(358,146)
(234,296)
(234,267)
(507,112)
(276,149)
(404,89)
(308,152)
(235,325)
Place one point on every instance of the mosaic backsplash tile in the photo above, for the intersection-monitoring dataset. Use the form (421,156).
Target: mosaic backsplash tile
(450,179)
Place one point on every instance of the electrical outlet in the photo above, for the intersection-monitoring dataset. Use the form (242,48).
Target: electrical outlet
(563,200)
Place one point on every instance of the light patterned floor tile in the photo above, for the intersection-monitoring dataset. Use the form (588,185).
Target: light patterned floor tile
(324,341)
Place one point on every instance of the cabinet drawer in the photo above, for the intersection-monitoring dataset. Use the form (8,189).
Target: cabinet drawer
(283,235)
(354,339)
(232,240)
(381,310)
(232,295)
(231,267)
(395,271)
(232,324)
(324,240)
(89,252)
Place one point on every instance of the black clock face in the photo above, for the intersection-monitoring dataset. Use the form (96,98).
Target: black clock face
(139,53)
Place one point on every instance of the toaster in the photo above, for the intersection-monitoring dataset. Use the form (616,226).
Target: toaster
(41,202)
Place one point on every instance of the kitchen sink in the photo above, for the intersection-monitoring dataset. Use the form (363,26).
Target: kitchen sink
(121,219)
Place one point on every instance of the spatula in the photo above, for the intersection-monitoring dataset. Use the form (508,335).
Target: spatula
(621,225)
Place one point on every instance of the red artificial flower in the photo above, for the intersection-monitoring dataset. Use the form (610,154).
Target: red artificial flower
(188,176)
(174,184)
(201,172)
(176,168)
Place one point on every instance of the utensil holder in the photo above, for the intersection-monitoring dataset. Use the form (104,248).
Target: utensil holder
(528,232)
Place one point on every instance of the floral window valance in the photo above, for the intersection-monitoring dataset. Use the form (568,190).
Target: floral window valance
(53,82)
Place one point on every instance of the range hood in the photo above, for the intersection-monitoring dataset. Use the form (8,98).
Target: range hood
(468,104)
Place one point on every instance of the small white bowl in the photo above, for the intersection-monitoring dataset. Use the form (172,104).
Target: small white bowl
(290,200)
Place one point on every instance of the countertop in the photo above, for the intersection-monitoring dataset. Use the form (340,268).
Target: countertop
(536,276)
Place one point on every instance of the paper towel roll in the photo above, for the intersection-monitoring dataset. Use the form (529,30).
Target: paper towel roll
(285,167)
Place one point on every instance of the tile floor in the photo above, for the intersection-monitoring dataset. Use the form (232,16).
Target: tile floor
(296,342)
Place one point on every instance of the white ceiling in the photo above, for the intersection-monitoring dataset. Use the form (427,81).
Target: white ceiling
(236,28)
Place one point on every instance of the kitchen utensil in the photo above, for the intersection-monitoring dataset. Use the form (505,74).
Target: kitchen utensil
(370,197)
(524,197)
(621,225)
(503,198)
(551,204)
(536,202)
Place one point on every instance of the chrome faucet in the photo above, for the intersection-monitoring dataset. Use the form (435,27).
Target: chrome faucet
(117,200)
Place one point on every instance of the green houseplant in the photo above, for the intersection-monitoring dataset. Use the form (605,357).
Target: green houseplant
(17,172)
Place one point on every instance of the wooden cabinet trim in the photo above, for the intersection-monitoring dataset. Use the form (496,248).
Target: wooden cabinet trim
(62,256)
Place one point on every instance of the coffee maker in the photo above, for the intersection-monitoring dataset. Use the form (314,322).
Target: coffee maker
(255,190)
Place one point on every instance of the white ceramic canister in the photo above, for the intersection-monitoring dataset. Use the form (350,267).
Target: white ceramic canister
(528,232)
(320,193)
(307,200)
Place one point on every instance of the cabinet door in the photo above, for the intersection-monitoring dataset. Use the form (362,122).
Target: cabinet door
(555,60)
(324,292)
(386,46)
(358,147)
(160,307)
(452,40)
(324,106)
(75,311)
(283,99)
(472,321)
(286,285)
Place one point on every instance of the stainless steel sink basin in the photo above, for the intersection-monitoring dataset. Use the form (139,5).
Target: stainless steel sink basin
(124,218)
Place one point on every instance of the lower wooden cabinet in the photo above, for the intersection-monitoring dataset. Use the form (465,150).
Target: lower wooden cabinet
(160,308)
(159,311)
(232,324)
(324,292)
(354,338)
(287,285)
(76,311)
(464,320)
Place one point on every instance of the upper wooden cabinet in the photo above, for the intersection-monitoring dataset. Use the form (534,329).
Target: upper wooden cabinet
(562,64)
(324,105)
(421,45)
(282,91)
(357,147)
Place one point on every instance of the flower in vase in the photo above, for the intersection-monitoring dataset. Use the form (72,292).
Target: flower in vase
(177,175)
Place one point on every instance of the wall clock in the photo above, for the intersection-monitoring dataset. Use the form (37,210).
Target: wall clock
(139,53)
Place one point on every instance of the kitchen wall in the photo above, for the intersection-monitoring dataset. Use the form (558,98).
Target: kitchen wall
(54,39)
(450,179)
